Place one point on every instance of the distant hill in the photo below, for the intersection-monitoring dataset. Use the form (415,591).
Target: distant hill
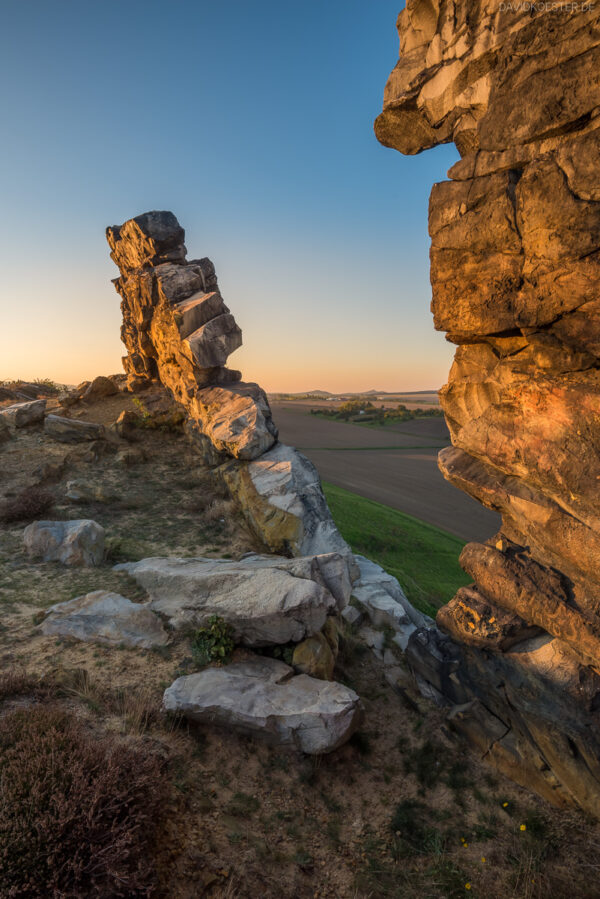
(372,392)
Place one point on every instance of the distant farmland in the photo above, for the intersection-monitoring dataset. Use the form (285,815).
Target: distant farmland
(395,465)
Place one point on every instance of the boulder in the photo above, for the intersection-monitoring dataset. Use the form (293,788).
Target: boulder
(262,697)
(79,491)
(69,430)
(99,388)
(103,617)
(236,418)
(126,425)
(314,657)
(282,500)
(21,415)
(5,432)
(267,601)
(78,542)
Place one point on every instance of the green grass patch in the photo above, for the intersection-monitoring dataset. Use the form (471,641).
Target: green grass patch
(423,558)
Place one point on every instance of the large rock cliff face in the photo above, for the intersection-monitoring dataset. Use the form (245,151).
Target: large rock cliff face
(515,272)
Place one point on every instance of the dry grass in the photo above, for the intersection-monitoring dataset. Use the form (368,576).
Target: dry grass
(78,811)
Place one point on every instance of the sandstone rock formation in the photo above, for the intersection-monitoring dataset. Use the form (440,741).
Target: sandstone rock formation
(515,269)
(262,697)
(267,600)
(177,328)
(78,542)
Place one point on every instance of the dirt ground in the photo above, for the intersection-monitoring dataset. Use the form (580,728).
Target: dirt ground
(395,465)
(402,810)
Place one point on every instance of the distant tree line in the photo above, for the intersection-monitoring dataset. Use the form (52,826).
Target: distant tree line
(364,410)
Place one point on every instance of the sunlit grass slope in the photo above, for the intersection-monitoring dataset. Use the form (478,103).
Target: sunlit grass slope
(422,557)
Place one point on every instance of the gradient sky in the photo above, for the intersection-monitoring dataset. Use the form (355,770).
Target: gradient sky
(253,123)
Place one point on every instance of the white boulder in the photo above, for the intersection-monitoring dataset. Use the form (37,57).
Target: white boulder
(103,617)
(267,601)
(262,697)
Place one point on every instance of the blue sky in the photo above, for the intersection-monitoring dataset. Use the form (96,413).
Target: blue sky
(253,124)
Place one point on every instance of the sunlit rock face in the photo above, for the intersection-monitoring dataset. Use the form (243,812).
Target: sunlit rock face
(515,273)
(177,328)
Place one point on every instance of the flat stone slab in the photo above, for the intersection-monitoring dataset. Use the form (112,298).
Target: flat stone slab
(20,415)
(78,542)
(267,600)
(103,617)
(263,697)
(69,430)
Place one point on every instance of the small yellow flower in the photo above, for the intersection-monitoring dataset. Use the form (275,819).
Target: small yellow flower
(483,859)
(523,827)
(467,886)
(504,804)
(465,845)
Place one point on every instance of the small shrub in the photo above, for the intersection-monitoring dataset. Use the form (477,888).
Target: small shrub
(28,505)
(213,643)
(78,812)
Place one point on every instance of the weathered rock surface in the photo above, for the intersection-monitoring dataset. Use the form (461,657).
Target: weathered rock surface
(103,617)
(177,328)
(69,430)
(262,697)
(281,497)
(266,600)
(21,415)
(515,271)
(78,542)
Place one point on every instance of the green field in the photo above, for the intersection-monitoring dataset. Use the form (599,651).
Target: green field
(423,558)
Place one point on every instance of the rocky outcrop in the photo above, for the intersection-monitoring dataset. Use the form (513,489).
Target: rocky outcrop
(109,618)
(266,600)
(263,698)
(78,542)
(177,328)
(515,269)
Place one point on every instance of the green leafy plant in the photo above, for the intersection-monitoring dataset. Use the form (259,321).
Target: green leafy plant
(213,643)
